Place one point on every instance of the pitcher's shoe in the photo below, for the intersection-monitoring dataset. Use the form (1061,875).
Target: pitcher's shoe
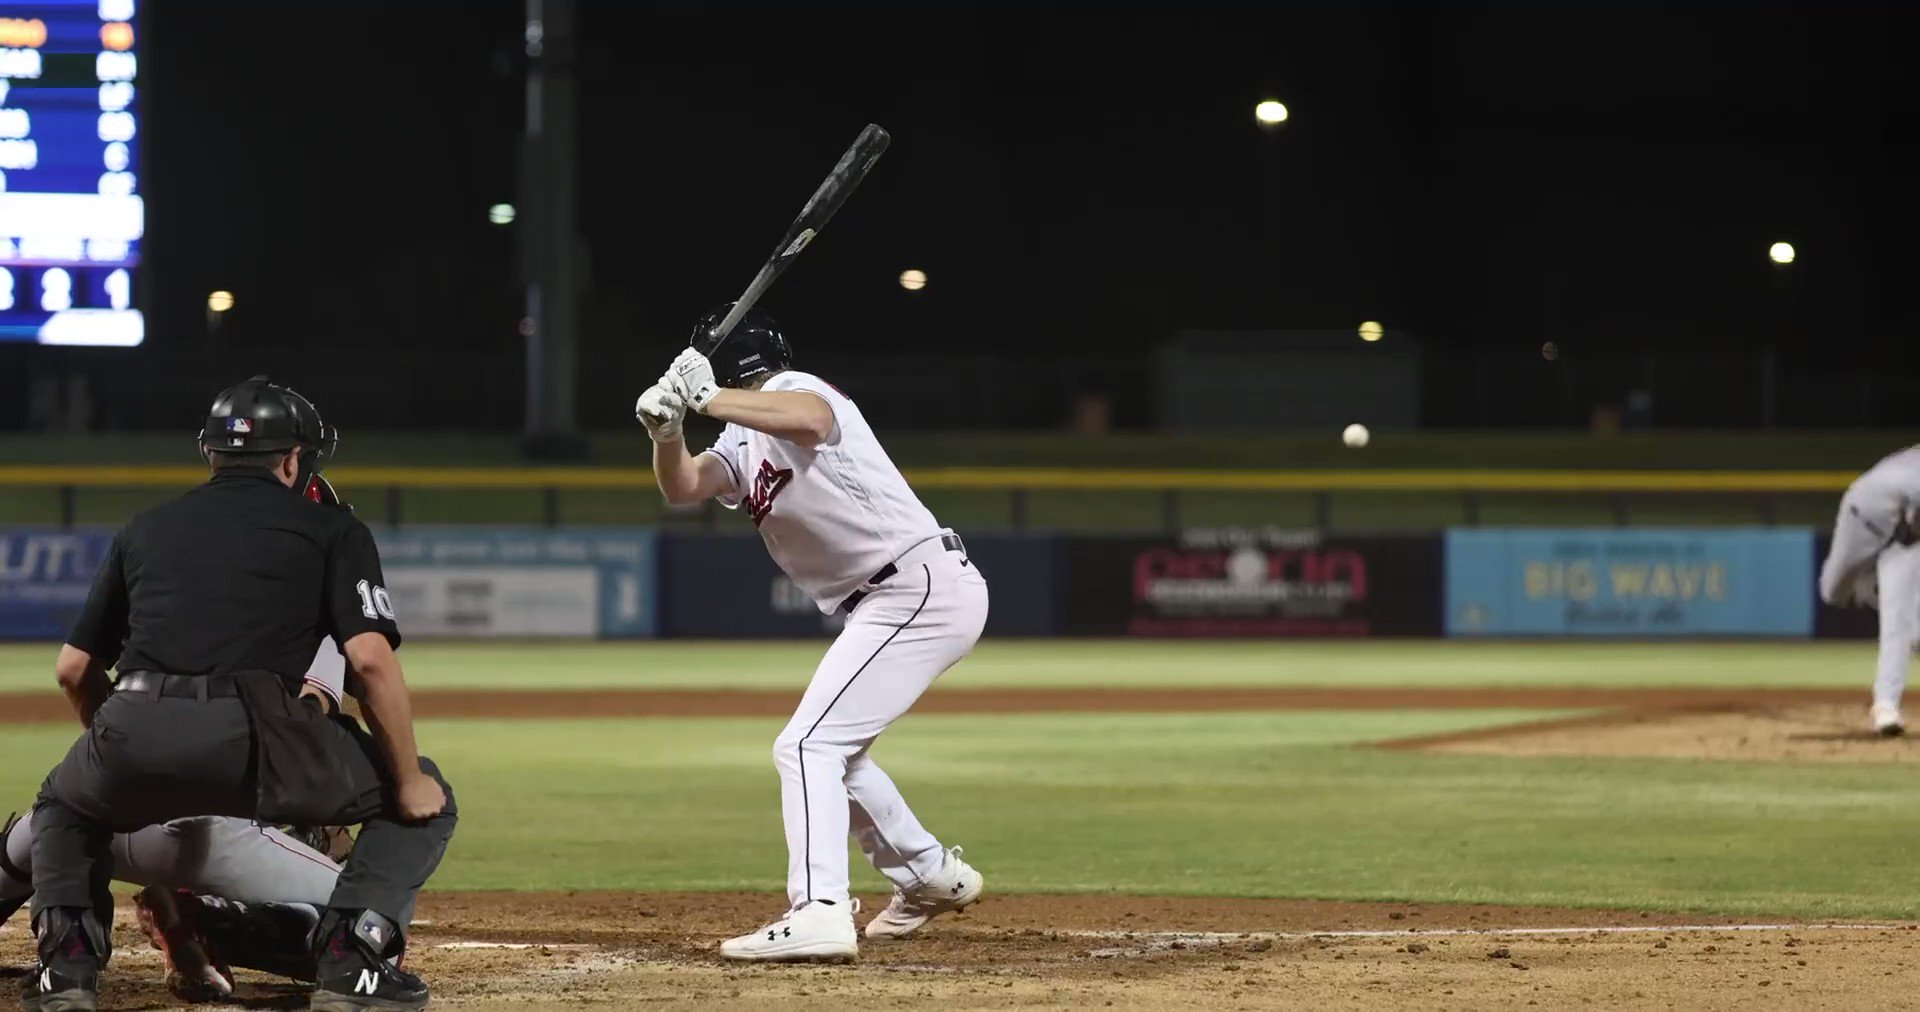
(1887,720)
(956,887)
(820,931)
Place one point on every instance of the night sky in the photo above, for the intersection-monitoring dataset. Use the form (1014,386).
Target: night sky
(1075,178)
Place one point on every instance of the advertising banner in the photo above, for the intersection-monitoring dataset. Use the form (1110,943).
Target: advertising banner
(725,585)
(44,578)
(479,581)
(1748,581)
(1262,582)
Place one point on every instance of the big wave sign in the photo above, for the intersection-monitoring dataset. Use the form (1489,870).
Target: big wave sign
(1634,582)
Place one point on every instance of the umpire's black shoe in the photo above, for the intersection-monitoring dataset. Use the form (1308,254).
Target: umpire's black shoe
(354,952)
(67,978)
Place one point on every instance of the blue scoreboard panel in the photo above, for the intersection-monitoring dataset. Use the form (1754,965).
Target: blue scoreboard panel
(71,216)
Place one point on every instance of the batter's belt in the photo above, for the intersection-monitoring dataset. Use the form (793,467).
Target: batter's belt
(948,542)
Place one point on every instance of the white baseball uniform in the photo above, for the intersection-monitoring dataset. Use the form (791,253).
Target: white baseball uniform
(834,517)
(1868,566)
(215,855)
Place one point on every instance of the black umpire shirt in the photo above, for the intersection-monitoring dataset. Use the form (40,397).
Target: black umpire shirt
(240,574)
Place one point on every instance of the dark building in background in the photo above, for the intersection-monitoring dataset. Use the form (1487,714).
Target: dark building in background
(1566,208)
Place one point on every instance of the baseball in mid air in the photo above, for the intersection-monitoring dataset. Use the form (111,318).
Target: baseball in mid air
(1355,435)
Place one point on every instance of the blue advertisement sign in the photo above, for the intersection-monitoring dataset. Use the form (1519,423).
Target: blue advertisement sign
(44,578)
(488,581)
(725,585)
(1740,581)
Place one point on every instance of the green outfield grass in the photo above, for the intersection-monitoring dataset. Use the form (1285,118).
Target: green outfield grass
(1234,804)
(1057,663)
(1246,804)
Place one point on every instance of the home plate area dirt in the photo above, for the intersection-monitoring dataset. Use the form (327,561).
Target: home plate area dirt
(623,950)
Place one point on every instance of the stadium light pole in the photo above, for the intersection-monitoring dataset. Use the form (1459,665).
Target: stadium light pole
(548,234)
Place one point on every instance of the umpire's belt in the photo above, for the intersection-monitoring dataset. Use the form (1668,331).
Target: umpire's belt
(155,683)
(948,543)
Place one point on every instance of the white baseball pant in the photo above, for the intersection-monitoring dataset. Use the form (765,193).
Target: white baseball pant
(1899,571)
(904,634)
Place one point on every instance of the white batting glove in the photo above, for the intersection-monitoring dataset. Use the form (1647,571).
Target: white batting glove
(661,410)
(695,375)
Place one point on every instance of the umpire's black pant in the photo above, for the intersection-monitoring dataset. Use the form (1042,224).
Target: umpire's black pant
(150,758)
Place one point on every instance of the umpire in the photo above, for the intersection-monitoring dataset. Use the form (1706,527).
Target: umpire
(210,607)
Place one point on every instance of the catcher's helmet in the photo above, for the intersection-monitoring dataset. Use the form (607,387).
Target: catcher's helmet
(756,348)
(261,416)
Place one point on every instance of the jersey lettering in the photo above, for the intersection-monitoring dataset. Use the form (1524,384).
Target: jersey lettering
(768,483)
(375,602)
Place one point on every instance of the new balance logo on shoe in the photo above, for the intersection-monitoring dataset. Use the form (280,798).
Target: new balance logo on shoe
(368,981)
(46,981)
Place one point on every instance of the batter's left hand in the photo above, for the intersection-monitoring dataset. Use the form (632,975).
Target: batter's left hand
(696,378)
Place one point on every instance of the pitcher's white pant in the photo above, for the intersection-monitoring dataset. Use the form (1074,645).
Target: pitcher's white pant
(1899,571)
(903,635)
(212,855)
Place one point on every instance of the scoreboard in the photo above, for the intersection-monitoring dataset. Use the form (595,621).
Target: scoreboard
(71,215)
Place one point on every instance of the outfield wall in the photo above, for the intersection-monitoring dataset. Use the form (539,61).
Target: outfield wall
(1479,582)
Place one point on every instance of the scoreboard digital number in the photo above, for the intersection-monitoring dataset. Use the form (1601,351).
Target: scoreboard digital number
(71,215)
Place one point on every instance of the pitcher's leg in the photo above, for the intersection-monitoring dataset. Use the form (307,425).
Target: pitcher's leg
(1899,571)
(887,831)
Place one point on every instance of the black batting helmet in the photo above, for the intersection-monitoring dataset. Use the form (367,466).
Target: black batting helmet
(260,416)
(756,347)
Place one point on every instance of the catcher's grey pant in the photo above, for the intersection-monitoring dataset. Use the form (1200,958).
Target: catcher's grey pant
(149,759)
(215,855)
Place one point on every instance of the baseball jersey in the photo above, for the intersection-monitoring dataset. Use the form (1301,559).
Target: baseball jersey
(831,515)
(1891,483)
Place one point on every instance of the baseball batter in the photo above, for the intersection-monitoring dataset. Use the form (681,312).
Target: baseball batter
(1875,563)
(799,459)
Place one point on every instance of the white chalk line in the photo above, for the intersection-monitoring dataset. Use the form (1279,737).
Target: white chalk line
(569,946)
(1161,941)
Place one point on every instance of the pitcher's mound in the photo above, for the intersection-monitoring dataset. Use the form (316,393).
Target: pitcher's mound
(1804,732)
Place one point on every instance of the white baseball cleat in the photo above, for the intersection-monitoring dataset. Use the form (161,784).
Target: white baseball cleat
(821,931)
(955,888)
(1887,720)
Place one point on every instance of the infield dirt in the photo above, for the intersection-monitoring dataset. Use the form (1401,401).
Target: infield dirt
(656,950)
(617,950)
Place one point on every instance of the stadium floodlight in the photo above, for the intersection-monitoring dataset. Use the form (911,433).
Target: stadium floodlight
(500,214)
(913,279)
(1270,113)
(1371,331)
(219,302)
(1781,253)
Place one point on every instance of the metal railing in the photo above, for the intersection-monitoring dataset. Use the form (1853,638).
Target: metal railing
(1173,487)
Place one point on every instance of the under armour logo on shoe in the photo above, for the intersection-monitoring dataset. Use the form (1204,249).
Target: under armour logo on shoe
(957,886)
